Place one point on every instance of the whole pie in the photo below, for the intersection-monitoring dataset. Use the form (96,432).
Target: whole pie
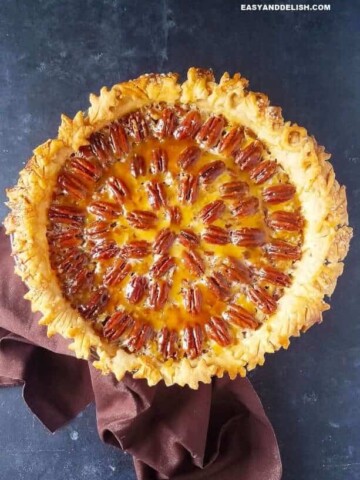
(179,231)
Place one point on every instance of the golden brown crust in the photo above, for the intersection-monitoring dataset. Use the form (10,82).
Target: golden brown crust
(326,236)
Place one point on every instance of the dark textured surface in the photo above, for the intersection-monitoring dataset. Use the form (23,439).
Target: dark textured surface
(52,54)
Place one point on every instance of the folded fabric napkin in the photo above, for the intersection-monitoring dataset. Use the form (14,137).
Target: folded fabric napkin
(219,431)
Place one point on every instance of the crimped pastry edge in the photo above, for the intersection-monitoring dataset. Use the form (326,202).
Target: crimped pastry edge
(326,237)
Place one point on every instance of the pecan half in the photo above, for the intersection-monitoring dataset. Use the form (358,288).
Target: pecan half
(71,261)
(96,303)
(142,219)
(105,250)
(164,240)
(97,230)
(262,299)
(216,235)
(137,166)
(166,124)
(189,188)
(263,171)
(159,161)
(211,130)
(156,194)
(175,215)
(188,238)
(162,266)
(137,126)
(88,170)
(158,294)
(208,173)
(279,249)
(86,152)
(193,299)
(273,275)
(71,237)
(136,249)
(231,142)
(105,210)
(234,190)
(212,211)
(193,340)
(167,343)
(218,331)
(288,221)
(118,139)
(136,288)
(240,316)
(278,193)
(66,214)
(117,325)
(118,188)
(194,262)
(218,284)
(82,278)
(72,185)
(188,157)
(245,207)
(101,149)
(139,336)
(249,156)
(188,126)
(248,237)
(116,273)
(235,271)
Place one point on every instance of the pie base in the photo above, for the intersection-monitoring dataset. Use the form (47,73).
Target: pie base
(323,200)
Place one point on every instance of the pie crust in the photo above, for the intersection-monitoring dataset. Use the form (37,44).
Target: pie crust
(244,231)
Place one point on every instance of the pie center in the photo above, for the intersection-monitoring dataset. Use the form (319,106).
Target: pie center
(174,231)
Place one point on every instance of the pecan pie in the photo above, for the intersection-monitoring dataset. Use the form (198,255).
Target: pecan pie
(179,231)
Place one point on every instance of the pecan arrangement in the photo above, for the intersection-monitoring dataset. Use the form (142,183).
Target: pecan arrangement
(134,261)
(176,234)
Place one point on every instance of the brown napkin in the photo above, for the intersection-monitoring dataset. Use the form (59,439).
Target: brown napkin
(218,432)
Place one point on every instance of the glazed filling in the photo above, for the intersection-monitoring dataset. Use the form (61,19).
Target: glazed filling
(174,232)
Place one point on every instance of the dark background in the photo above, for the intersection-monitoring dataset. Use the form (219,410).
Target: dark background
(53,53)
